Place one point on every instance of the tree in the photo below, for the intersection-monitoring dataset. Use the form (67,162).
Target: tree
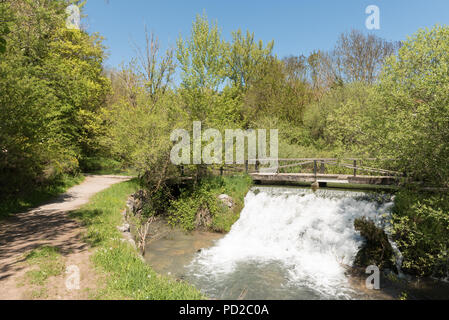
(4,21)
(323,72)
(201,57)
(413,92)
(244,56)
(157,74)
(360,57)
(203,68)
(276,92)
(142,112)
(52,87)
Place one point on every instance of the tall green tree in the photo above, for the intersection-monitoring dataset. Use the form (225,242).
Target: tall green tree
(202,61)
(244,56)
(51,88)
(413,91)
(201,56)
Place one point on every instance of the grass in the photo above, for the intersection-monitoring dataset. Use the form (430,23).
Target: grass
(48,261)
(38,195)
(127,276)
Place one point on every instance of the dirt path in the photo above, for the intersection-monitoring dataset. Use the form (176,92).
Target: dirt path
(49,225)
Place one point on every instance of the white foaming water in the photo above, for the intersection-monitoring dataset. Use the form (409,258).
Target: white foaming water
(311,235)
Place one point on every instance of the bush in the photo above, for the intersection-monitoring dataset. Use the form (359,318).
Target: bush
(183,211)
(203,199)
(377,249)
(421,231)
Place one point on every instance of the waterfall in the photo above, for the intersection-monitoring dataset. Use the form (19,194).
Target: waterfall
(307,235)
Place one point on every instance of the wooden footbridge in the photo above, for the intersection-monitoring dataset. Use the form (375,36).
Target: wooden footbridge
(317,171)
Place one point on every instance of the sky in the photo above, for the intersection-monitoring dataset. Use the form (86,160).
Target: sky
(297,27)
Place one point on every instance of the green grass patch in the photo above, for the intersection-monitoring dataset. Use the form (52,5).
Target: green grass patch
(48,261)
(126,275)
(30,198)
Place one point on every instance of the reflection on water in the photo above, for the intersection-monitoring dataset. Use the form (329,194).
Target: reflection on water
(176,249)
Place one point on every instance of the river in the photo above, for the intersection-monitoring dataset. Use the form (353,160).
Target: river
(289,243)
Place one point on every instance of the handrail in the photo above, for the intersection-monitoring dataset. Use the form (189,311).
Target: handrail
(320,159)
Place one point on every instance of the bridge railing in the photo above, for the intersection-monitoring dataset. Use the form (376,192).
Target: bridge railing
(313,165)
(318,165)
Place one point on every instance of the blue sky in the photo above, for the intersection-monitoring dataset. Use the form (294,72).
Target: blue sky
(298,27)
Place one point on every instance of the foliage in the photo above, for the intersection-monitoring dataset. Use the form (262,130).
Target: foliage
(413,92)
(183,211)
(420,227)
(376,249)
(128,277)
(52,87)
(201,57)
(4,28)
(243,58)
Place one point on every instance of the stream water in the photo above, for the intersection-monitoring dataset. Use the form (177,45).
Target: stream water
(289,243)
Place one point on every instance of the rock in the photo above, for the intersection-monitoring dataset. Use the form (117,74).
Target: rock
(226,200)
(124,228)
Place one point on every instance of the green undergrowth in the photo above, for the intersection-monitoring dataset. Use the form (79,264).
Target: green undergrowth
(421,230)
(33,196)
(377,249)
(126,274)
(204,196)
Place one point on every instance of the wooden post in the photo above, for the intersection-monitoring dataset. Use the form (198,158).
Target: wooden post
(355,168)
(221,171)
(315,168)
(257,166)
(182,171)
(322,169)
(246,166)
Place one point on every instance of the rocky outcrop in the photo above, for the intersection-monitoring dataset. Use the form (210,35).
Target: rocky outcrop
(226,200)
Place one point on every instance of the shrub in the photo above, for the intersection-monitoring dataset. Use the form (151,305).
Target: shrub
(204,197)
(377,249)
(421,231)
(183,211)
